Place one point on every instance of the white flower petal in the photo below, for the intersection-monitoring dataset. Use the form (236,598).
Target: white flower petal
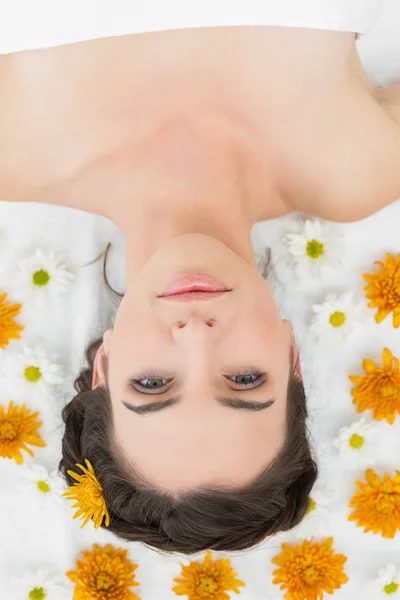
(328,262)
(60,276)
(15,365)
(316,522)
(386,576)
(366,454)
(56,587)
(320,322)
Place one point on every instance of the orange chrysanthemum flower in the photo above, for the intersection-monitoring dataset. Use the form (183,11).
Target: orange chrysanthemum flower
(8,327)
(208,581)
(379,389)
(384,289)
(377,504)
(89,497)
(18,428)
(309,569)
(107,574)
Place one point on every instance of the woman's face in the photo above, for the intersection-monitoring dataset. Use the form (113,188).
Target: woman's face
(209,406)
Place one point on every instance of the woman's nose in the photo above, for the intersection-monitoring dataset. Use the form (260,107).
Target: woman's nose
(196,325)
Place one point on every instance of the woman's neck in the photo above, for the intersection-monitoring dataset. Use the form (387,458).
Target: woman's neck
(184,182)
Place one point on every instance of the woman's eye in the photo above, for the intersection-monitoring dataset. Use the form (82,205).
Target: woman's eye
(151,383)
(248,379)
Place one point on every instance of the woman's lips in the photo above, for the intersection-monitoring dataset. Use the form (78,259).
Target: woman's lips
(195,285)
(194,296)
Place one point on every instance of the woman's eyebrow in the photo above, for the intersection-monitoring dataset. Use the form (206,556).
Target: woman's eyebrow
(236,403)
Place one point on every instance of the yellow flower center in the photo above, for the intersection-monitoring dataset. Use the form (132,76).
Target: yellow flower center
(207,586)
(43,486)
(388,284)
(387,388)
(32,374)
(337,319)
(391,288)
(315,249)
(41,278)
(385,503)
(391,588)
(310,574)
(37,594)
(104,581)
(356,441)
(8,431)
(91,494)
(311,505)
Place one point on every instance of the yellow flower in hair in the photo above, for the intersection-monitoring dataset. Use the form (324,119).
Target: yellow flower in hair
(106,574)
(8,327)
(209,581)
(88,494)
(383,290)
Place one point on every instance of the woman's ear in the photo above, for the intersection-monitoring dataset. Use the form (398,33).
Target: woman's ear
(297,370)
(101,361)
(296,356)
(107,340)
(99,368)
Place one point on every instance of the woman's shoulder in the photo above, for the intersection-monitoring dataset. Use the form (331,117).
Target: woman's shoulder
(350,166)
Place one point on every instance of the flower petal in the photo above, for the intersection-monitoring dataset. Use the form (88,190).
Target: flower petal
(369,366)
(387,359)
(382,314)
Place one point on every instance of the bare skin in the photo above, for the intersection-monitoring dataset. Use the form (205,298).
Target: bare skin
(299,115)
(185,139)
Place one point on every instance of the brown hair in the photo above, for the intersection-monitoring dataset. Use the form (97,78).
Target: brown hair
(219,519)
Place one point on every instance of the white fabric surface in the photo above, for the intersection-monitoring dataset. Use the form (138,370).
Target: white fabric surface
(35,534)
(43,23)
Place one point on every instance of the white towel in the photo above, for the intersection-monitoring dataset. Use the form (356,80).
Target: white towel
(43,23)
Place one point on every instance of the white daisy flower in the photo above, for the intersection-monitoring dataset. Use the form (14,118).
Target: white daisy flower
(44,276)
(387,584)
(315,523)
(32,371)
(37,478)
(40,584)
(316,248)
(358,443)
(336,317)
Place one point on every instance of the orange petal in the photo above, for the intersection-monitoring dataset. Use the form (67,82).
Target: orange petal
(379,262)
(327,543)
(369,278)
(372,478)
(208,560)
(387,358)
(369,366)
(390,418)
(382,314)
(356,378)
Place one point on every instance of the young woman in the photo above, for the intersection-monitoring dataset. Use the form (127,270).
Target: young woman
(192,411)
